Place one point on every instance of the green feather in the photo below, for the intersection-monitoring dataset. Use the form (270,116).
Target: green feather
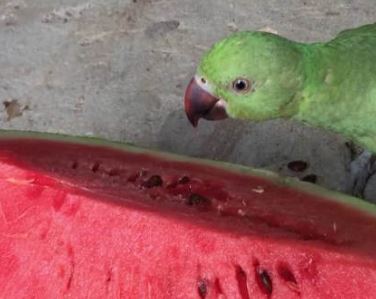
(329,85)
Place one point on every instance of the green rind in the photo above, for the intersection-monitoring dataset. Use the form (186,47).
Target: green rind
(288,182)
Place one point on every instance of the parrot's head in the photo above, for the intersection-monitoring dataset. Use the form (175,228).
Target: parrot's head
(248,75)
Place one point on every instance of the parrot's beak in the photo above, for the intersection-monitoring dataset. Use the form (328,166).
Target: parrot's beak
(201,104)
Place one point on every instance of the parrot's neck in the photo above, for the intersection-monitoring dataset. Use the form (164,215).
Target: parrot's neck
(335,95)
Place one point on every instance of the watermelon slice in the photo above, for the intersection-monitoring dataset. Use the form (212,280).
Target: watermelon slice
(84,218)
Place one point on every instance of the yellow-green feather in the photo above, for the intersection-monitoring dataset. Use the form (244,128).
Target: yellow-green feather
(330,85)
(340,89)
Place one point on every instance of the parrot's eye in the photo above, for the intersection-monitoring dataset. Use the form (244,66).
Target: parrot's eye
(241,85)
(203,80)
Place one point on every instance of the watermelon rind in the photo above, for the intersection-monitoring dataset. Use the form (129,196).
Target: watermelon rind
(288,182)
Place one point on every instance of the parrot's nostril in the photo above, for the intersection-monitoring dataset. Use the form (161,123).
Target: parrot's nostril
(199,103)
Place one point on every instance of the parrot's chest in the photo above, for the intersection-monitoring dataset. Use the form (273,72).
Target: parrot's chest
(347,109)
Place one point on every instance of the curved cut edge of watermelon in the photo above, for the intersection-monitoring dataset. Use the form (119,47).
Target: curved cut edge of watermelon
(289,182)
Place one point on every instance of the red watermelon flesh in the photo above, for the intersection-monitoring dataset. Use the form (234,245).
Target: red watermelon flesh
(92,219)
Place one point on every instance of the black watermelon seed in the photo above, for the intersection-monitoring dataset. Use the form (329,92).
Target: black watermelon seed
(197,199)
(264,281)
(202,288)
(95,167)
(183,180)
(153,181)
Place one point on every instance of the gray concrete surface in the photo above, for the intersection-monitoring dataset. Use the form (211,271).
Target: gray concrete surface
(117,69)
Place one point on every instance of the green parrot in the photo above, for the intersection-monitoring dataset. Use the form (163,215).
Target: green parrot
(261,76)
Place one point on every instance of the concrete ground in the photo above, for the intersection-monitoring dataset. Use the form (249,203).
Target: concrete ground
(118,69)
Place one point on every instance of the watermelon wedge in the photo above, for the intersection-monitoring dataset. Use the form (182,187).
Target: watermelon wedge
(85,218)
